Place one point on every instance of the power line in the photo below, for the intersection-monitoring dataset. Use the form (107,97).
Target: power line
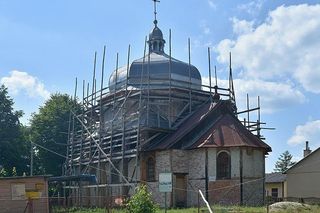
(147,183)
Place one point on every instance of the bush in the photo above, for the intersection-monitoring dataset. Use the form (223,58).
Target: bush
(141,201)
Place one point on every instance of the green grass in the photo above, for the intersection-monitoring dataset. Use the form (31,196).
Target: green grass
(216,209)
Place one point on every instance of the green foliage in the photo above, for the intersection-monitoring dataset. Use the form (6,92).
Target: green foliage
(14,171)
(3,173)
(284,162)
(141,201)
(216,209)
(13,148)
(49,128)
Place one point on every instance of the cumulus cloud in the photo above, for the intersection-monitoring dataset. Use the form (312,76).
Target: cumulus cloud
(240,27)
(273,96)
(23,82)
(309,131)
(286,45)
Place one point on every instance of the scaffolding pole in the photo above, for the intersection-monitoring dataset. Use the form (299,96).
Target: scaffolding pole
(189,65)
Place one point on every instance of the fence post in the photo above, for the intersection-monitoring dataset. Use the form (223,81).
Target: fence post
(30,201)
(205,201)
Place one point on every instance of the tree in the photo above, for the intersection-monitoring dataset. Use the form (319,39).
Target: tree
(141,201)
(14,171)
(13,147)
(49,128)
(284,162)
(3,172)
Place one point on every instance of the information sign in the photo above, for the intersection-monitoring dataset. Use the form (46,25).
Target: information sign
(165,182)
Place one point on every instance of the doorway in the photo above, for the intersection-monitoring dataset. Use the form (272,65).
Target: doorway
(181,191)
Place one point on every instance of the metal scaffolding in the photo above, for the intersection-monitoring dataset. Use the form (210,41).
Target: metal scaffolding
(106,134)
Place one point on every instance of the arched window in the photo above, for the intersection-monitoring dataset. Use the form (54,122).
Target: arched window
(223,166)
(150,169)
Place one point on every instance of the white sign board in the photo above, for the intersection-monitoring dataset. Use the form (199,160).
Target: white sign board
(18,191)
(165,182)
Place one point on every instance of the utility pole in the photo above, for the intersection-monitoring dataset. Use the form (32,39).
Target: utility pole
(31,157)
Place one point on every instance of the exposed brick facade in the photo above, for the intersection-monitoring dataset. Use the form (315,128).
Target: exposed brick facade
(224,192)
(198,168)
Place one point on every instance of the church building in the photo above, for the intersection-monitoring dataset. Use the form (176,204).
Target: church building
(156,116)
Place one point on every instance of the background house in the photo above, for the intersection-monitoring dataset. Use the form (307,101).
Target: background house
(275,186)
(303,178)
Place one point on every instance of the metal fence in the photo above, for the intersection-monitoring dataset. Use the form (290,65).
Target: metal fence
(62,204)
(69,204)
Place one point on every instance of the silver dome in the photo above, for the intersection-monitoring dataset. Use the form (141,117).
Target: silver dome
(154,69)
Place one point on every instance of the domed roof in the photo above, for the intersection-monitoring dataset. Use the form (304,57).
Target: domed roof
(159,67)
(155,68)
(155,34)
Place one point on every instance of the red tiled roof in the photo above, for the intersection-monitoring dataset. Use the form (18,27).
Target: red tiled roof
(229,132)
(212,125)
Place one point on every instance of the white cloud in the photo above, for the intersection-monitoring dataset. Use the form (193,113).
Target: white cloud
(240,27)
(273,96)
(286,45)
(252,7)
(23,82)
(212,4)
(309,131)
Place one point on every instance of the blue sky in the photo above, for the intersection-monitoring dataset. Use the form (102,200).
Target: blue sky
(45,45)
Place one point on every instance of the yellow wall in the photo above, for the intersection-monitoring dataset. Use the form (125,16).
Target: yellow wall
(269,186)
(285,193)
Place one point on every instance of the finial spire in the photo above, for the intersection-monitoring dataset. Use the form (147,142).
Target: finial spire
(156,41)
(155,11)
(231,86)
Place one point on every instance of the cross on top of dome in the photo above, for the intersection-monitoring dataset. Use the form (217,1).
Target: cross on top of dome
(156,41)
(155,11)
(153,67)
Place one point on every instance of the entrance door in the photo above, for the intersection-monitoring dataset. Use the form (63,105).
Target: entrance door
(181,190)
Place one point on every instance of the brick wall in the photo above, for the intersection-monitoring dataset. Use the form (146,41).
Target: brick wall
(193,187)
(180,161)
(253,192)
(163,162)
(159,197)
(224,192)
(192,163)
(9,205)
(196,160)
(253,167)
